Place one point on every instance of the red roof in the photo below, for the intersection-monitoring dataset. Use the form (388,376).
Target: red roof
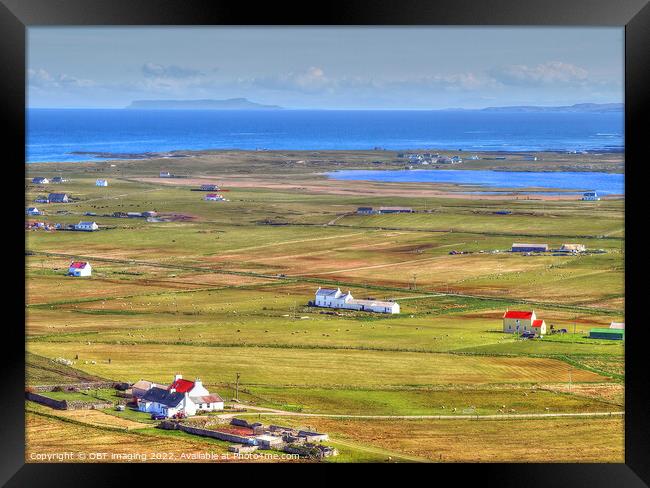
(182,386)
(514,314)
(78,264)
(537,323)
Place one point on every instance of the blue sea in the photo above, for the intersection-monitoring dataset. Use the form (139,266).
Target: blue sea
(603,183)
(54,134)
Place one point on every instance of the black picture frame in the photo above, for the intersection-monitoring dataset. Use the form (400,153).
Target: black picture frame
(634,15)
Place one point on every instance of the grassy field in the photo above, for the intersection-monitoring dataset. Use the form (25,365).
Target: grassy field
(222,288)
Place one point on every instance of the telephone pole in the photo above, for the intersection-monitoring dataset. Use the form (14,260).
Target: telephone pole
(237,388)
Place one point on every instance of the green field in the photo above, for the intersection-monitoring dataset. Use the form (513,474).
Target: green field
(223,288)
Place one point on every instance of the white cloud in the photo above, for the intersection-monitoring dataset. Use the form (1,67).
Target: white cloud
(41,78)
(552,72)
(154,70)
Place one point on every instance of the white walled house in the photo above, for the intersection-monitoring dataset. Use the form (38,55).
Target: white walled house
(101,182)
(40,180)
(519,322)
(33,211)
(181,397)
(79,268)
(330,298)
(590,196)
(86,226)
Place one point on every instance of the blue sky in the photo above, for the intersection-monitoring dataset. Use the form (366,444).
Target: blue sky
(328,68)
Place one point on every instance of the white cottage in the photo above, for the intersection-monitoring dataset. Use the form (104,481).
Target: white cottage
(327,297)
(79,268)
(86,226)
(181,397)
(101,182)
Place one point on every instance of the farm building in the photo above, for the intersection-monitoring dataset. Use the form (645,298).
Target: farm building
(605,333)
(516,247)
(573,248)
(42,199)
(101,182)
(58,198)
(337,299)
(59,179)
(617,325)
(390,210)
(520,322)
(139,388)
(181,397)
(165,174)
(33,211)
(590,196)
(40,180)
(209,188)
(79,268)
(214,197)
(86,226)
(365,210)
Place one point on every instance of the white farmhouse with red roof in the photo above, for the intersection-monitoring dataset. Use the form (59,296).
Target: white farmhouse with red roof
(79,268)
(181,398)
(520,322)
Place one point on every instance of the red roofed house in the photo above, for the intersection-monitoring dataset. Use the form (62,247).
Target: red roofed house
(79,268)
(518,322)
(182,396)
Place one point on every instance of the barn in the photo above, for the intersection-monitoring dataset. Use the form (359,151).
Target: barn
(517,247)
(606,333)
(58,198)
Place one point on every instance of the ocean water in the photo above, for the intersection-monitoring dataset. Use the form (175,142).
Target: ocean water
(603,183)
(54,134)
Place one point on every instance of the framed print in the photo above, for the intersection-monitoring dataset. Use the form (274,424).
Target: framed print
(379,235)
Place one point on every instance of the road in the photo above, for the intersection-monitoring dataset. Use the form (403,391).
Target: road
(275,412)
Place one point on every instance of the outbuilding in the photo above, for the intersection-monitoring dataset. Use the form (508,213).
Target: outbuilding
(605,333)
(40,180)
(617,325)
(573,248)
(590,196)
(101,182)
(58,198)
(517,247)
(86,226)
(33,211)
(79,268)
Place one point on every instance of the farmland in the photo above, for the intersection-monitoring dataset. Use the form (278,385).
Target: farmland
(219,288)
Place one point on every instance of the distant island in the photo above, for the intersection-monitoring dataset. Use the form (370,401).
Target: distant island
(578,107)
(228,104)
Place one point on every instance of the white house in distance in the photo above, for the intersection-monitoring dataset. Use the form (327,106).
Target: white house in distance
(86,226)
(40,180)
(165,174)
(214,197)
(33,211)
(181,397)
(330,298)
(80,268)
(101,182)
(519,322)
(590,196)
(617,325)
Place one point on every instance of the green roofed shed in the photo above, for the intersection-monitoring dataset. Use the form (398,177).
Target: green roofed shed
(605,333)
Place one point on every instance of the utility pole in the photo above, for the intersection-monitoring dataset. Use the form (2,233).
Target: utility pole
(415,282)
(237,388)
